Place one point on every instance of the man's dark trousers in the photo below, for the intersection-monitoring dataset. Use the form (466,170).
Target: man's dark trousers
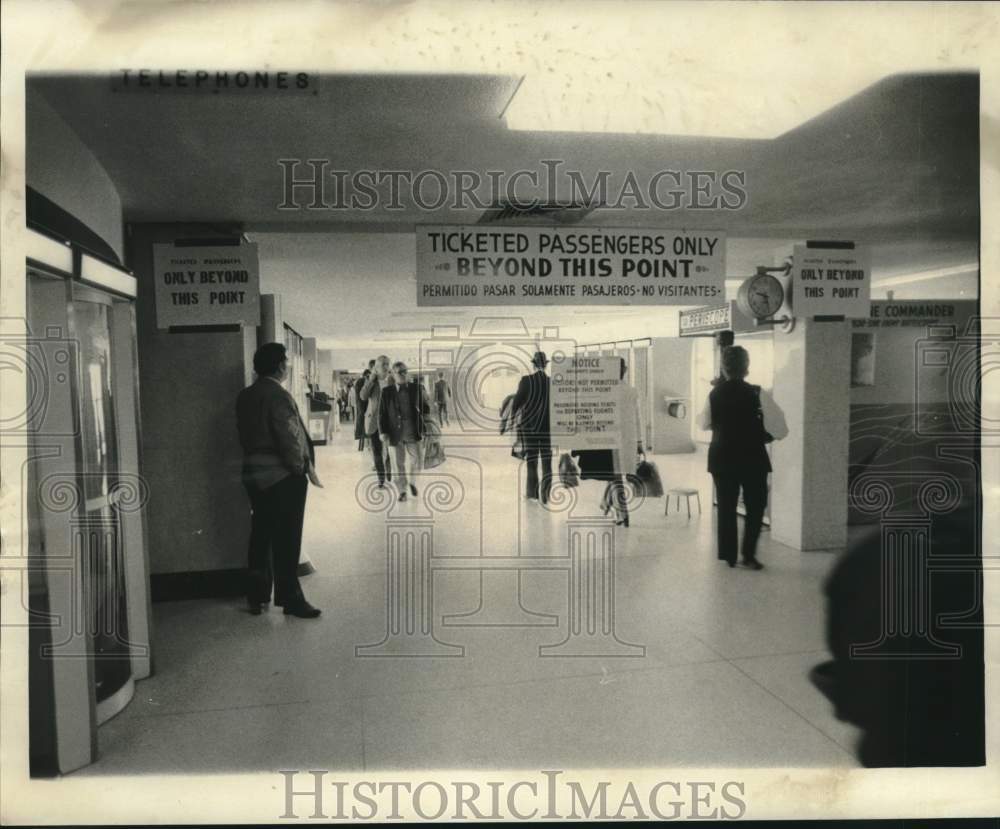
(276,541)
(753,481)
(382,465)
(535,452)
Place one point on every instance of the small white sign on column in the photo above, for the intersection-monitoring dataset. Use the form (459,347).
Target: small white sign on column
(831,282)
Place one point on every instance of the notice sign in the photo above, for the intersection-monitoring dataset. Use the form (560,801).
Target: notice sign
(831,282)
(206,285)
(586,403)
(476,265)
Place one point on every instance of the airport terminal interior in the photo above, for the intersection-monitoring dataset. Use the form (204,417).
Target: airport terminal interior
(469,625)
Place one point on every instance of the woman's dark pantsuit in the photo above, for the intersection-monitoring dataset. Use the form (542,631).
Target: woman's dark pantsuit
(753,482)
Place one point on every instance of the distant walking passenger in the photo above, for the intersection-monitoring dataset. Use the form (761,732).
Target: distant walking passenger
(401,421)
(359,406)
(743,419)
(278,464)
(442,394)
(532,403)
(371,394)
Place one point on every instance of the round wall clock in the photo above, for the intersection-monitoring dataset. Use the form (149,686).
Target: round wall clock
(760,296)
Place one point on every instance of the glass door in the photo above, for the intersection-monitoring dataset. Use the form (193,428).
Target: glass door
(99,536)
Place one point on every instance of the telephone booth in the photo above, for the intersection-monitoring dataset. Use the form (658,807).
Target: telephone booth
(87,592)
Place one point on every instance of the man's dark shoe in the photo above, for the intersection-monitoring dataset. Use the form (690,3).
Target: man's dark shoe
(402,496)
(413,490)
(302,610)
(255,608)
(752,564)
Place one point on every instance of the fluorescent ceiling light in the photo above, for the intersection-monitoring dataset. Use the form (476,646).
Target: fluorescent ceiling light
(105,276)
(763,99)
(923,276)
(45,251)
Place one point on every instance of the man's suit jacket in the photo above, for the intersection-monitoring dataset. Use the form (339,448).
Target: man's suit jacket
(532,402)
(391,412)
(275,441)
(371,393)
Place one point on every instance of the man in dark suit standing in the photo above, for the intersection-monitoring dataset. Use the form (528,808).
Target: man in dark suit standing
(278,464)
(743,419)
(531,402)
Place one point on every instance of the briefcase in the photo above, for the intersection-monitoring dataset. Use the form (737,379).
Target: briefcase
(433,454)
(647,480)
(568,474)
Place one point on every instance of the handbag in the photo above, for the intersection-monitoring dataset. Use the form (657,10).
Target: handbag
(647,479)
(518,450)
(433,448)
(512,423)
(568,474)
(433,454)
(759,412)
(506,421)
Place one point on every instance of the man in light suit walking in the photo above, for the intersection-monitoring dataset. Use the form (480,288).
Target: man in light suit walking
(278,465)
(371,394)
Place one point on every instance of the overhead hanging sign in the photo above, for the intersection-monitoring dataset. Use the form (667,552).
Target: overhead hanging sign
(197,286)
(704,321)
(477,265)
(908,313)
(831,281)
(586,398)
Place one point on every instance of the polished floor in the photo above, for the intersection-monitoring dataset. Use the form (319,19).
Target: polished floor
(704,666)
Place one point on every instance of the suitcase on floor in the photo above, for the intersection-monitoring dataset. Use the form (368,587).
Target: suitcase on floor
(646,480)
(568,475)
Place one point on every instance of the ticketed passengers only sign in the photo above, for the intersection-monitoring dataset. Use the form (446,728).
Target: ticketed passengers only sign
(476,265)
(217,285)
(832,281)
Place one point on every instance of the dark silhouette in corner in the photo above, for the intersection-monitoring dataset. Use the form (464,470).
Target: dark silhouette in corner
(913,710)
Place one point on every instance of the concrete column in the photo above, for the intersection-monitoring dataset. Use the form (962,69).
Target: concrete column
(809,483)
(272,320)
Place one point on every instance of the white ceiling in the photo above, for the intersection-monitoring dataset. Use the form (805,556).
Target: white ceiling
(895,166)
(898,161)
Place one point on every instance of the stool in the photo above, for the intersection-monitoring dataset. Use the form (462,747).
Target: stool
(687,493)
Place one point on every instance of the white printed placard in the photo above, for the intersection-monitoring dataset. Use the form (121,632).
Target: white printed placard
(196,286)
(586,399)
(831,282)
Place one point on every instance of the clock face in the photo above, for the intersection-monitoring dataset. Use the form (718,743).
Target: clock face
(765,295)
